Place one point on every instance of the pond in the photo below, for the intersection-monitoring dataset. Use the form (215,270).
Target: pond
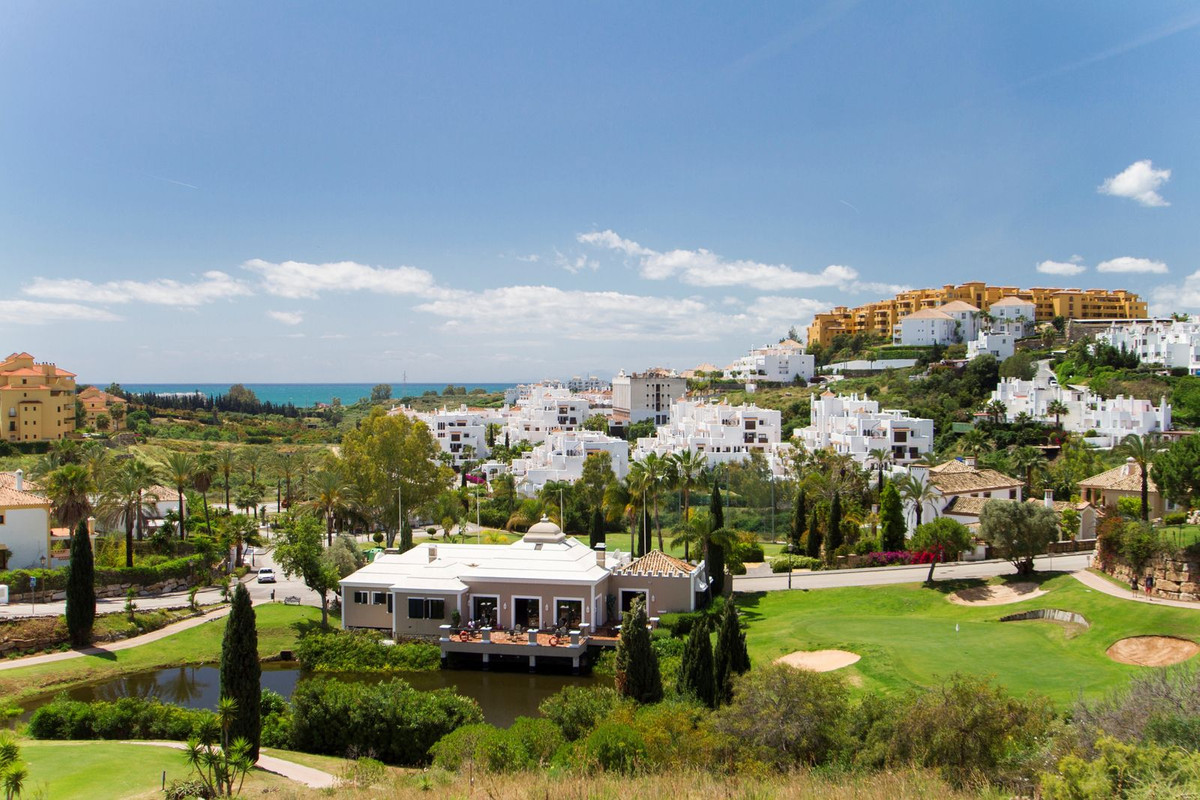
(502,696)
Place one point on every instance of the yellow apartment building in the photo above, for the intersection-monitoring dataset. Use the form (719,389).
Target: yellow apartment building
(96,402)
(37,400)
(881,318)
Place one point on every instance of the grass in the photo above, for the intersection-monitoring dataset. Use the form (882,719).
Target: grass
(909,635)
(1179,536)
(115,770)
(109,628)
(279,626)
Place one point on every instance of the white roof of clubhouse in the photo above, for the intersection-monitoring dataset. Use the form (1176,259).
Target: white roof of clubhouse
(544,555)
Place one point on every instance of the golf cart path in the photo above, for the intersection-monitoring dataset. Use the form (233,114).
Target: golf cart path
(1099,584)
(124,644)
(313,778)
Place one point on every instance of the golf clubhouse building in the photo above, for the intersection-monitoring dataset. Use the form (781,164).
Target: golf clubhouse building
(546,580)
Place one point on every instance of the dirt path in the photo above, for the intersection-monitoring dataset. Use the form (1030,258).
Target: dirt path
(313,778)
(1099,584)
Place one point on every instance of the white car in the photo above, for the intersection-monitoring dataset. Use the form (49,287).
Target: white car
(266,575)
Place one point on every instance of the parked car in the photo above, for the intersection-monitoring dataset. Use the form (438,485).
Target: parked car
(266,575)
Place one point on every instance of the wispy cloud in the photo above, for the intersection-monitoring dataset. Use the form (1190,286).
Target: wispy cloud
(213,285)
(780,44)
(298,279)
(1072,267)
(1139,181)
(32,312)
(287,317)
(1174,297)
(707,269)
(1130,264)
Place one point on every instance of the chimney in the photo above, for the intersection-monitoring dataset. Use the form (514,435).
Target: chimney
(969,461)
(1048,499)
(601,554)
(1130,463)
(432,553)
(20,485)
(91,527)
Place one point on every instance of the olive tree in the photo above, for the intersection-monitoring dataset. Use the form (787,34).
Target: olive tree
(1018,531)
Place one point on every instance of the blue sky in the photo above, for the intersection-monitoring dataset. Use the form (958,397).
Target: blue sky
(319,191)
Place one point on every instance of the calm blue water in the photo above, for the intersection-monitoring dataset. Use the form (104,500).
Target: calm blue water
(306,394)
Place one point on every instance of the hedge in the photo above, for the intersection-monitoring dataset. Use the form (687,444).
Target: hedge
(127,718)
(190,568)
(364,651)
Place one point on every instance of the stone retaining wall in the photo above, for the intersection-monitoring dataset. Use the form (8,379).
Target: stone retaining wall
(111,590)
(1175,578)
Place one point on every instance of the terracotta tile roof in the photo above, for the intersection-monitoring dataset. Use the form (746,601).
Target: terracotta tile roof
(964,506)
(1060,505)
(656,562)
(955,477)
(24,372)
(1012,301)
(1125,478)
(956,305)
(928,313)
(11,498)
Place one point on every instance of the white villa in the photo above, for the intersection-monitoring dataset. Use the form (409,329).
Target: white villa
(461,433)
(854,426)
(1108,420)
(929,326)
(773,363)
(545,409)
(1167,342)
(560,458)
(722,432)
(1011,318)
(24,524)
(960,489)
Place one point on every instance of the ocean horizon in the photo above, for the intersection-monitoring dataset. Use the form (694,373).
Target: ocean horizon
(304,395)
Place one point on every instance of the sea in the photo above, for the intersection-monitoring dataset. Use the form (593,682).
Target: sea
(304,395)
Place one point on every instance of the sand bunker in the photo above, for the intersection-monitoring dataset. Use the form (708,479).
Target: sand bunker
(1000,595)
(1152,651)
(819,660)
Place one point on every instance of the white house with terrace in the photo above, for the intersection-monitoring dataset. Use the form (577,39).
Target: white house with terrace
(925,328)
(854,426)
(959,490)
(723,433)
(1008,319)
(461,433)
(1103,421)
(1167,342)
(773,363)
(561,457)
(544,410)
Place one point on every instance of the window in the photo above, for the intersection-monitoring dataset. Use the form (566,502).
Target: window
(426,608)
(1,519)
(378,598)
(416,608)
(360,598)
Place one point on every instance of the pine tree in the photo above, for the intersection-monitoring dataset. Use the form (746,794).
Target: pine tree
(730,656)
(638,677)
(891,515)
(799,516)
(240,671)
(814,537)
(696,669)
(833,537)
(81,588)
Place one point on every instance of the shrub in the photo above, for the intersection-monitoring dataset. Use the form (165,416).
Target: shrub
(751,551)
(127,718)
(788,563)
(1139,543)
(1121,770)
(391,719)
(1175,518)
(615,747)
(528,744)
(193,569)
(364,651)
(577,709)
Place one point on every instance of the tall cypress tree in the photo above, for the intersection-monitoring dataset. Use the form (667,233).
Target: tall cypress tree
(241,673)
(596,535)
(833,537)
(716,510)
(730,656)
(81,588)
(696,678)
(814,537)
(891,515)
(638,676)
(799,517)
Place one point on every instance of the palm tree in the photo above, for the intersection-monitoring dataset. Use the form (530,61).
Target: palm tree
(689,474)
(69,488)
(639,484)
(1028,459)
(178,469)
(202,479)
(657,470)
(996,410)
(289,462)
(226,462)
(918,492)
(1141,449)
(552,495)
(879,456)
(1057,408)
(330,495)
(118,414)
(974,442)
(125,497)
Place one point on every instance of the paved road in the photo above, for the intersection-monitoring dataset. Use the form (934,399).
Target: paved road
(914,574)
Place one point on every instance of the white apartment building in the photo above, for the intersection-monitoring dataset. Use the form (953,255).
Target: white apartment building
(646,395)
(854,426)
(1107,420)
(778,363)
(589,384)
(1163,341)
(560,458)
(461,433)
(722,432)
(545,409)
(1000,344)
(927,327)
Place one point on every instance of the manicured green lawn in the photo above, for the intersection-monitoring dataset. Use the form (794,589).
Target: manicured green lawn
(909,635)
(114,770)
(1179,535)
(278,629)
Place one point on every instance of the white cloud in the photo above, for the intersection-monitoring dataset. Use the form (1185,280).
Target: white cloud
(32,312)
(707,269)
(1169,298)
(782,312)
(1071,267)
(287,317)
(214,285)
(1129,264)
(1139,181)
(575,265)
(873,287)
(297,279)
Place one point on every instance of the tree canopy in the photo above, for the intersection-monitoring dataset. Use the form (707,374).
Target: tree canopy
(1017,530)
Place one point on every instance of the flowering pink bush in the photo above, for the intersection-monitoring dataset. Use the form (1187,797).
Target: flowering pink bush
(893,557)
